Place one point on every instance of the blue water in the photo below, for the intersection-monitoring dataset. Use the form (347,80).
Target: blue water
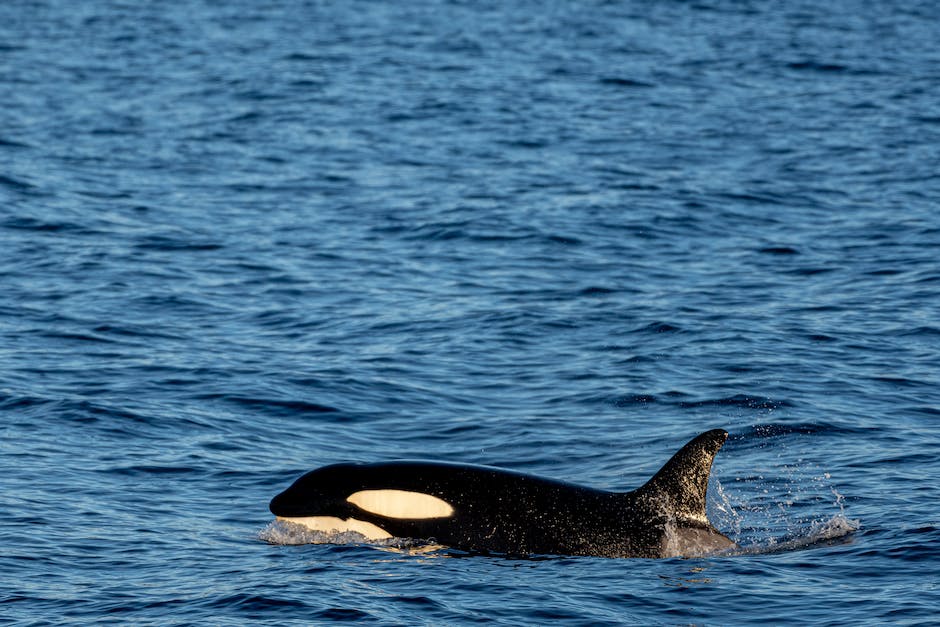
(240,240)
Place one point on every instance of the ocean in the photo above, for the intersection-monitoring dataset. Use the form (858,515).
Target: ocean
(242,240)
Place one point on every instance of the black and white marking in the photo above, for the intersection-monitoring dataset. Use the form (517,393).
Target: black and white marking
(479,508)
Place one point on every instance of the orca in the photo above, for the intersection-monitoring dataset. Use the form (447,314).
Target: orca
(483,509)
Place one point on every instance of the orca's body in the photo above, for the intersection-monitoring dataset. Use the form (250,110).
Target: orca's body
(484,509)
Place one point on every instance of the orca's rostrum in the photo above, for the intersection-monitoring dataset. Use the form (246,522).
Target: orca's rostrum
(484,509)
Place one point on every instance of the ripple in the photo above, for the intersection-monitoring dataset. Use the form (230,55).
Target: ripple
(41,226)
(626,82)
(341,614)
(739,400)
(274,406)
(255,603)
(658,327)
(817,66)
(772,430)
(16,185)
(779,250)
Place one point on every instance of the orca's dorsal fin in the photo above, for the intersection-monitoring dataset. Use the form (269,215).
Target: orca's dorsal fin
(679,488)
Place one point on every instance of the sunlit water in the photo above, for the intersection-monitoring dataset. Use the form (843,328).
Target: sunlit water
(242,240)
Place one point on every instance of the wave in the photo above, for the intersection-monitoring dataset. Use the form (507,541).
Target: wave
(285,533)
(837,530)
(742,401)
(770,526)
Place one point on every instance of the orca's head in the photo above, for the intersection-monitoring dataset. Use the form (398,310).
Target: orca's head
(354,497)
(305,497)
(321,492)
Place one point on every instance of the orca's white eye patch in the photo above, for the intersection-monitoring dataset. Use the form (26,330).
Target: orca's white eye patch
(401,504)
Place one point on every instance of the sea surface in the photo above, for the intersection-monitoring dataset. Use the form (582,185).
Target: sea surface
(243,239)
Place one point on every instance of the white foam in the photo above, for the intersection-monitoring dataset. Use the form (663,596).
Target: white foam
(836,530)
(287,532)
(761,519)
(334,525)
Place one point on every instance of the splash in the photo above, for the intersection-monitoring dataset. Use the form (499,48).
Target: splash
(836,530)
(722,512)
(764,524)
(282,532)
(288,533)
